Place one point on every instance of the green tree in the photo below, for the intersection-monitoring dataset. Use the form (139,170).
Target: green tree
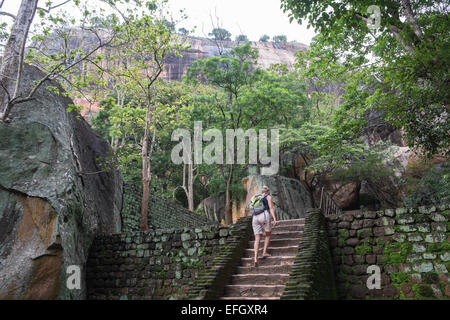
(146,42)
(324,89)
(264,38)
(280,38)
(276,98)
(220,34)
(54,29)
(401,56)
(183,31)
(241,38)
(231,72)
(328,156)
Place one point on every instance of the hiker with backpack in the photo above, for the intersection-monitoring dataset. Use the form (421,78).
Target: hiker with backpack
(261,207)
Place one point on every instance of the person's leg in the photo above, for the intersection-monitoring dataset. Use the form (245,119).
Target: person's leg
(256,247)
(267,231)
(266,243)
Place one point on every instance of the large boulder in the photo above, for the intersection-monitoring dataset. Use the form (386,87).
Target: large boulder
(213,207)
(55,197)
(290,197)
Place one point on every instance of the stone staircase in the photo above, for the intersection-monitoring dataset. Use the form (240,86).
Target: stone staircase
(268,280)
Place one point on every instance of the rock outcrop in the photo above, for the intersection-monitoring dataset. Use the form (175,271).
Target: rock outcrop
(54,196)
(290,197)
(269,53)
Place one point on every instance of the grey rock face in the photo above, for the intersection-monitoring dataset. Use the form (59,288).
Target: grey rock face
(290,197)
(53,200)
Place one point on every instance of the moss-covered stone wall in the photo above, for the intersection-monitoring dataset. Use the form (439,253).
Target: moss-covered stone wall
(158,264)
(162,213)
(411,247)
(312,274)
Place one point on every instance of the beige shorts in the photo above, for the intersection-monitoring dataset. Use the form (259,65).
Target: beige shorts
(261,223)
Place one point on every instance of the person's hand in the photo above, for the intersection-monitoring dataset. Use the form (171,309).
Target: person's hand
(274,223)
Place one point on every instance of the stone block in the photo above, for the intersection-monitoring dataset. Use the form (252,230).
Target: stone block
(407,228)
(390,291)
(389,231)
(357,224)
(405,219)
(423,227)
(415,278)
(371,258)
(378,231)
(185,237)
(439,226)
(399,237)
(435,237)
(415,238)
(445,256)
(389,212)
(348,260)
(348,250)
(419,247)
(352,242)
(359,259)
(423,267)
(360,270)
(370,214)
(429,256)
(436,291)
(440,268)
(364,233)
(436,217)
(401,211)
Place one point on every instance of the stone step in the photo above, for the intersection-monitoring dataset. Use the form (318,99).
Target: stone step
(276,243)
(261,278)
(249,298)
(290,222)
(286,268)
(286,234)
(284,228)
(281,251)
(269,261)
(251,290)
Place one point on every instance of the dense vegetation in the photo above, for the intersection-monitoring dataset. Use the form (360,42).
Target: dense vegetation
(352,81)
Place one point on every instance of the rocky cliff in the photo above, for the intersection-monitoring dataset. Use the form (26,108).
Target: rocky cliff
(54,196)
(269,53)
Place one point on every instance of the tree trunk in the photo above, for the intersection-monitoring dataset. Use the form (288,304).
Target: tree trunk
(143,225)
(191,186)
(12,61)
(228,211)
(147,161)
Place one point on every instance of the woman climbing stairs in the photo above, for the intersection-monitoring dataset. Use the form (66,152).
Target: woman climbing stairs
(268,279)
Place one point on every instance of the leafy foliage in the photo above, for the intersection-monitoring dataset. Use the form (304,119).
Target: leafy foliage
(264,38)
(433,188)
(220,34)
(399,68)
(280,38)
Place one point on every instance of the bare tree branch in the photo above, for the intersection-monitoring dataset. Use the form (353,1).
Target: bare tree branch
(47,10)
(4,13)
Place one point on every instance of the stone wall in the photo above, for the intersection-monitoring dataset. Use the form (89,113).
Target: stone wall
(162,212)
(312,274)
(156,264)
(211,282)
(411,247)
